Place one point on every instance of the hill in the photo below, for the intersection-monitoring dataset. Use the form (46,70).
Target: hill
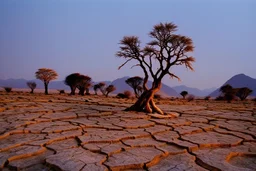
(194,91)
(238,81)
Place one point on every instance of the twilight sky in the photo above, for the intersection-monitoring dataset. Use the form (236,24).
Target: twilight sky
(83,35)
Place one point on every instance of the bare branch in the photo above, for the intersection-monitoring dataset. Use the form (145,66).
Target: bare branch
(124,63)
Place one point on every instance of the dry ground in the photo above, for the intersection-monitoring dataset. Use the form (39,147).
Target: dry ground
(61,132)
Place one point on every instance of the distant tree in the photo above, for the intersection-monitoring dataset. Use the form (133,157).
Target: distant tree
(100,86)
(226,88)
(83,84)
(109,89)
(242,93)
(135,82)
(184,94)
(95,88)
(46,75)
(32,86)
(156,59)
(228,92)
(72,81)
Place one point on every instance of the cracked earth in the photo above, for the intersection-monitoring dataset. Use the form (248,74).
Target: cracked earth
(61,132)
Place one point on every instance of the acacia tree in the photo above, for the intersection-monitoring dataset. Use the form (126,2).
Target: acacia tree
(228,92)
(83,83)
(95,88)
(100,86)
(71,81)
(156,59)
(184,94)
(242,93)
(134,82)
(32,86)
(109,89)
(46,75)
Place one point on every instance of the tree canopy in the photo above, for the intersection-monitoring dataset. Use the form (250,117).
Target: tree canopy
(46,75)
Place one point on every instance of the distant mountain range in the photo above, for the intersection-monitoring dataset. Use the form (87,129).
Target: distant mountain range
(22,83)
(194,91)
(239,81)
(236,81)
(121,86)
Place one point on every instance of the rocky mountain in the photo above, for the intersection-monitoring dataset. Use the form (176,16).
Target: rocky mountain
(194,91)
(238,81)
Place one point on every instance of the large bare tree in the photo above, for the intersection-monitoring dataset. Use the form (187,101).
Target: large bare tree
(46,75)
(156,59)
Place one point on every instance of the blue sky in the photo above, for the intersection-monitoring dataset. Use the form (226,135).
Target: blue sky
(83,35)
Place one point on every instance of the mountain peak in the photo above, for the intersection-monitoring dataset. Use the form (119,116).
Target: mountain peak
(239,81)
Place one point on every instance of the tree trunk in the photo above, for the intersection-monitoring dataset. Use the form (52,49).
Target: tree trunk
(87,90)
(46,88)
(32,90)
(135,92)
(145,103)
(73,90)
(81,91)
(106,94)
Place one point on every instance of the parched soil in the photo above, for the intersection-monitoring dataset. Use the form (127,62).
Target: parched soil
(62,132)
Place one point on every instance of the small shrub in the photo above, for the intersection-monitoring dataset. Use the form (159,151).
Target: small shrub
(157,96)
(61,91)
(8,89)
(207,97)
(219,98)
(191,98)
(120,95)
(127,94)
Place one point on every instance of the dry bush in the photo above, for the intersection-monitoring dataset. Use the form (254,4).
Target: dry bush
(8,89)
(61,91)
(190,98)
(121,95)
(157,96)
(207,98)
(127,94)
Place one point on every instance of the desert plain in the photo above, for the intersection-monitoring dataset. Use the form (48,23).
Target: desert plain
(78,133)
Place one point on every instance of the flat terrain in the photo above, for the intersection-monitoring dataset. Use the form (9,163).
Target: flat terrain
(61,132)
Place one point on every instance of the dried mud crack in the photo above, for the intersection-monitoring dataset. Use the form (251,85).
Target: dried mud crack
(61,132)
